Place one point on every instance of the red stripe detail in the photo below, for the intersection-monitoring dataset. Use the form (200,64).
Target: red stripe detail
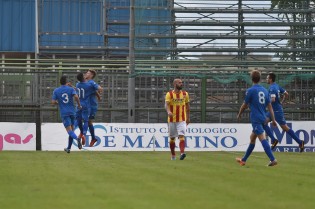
(172,146)
(183,112)
(177,108)
(184,107)
(171,94)
(182,146)
(171,106)
(177,113)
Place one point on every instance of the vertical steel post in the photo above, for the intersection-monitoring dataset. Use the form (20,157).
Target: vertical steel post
(131,80)
(203,99)
(104,29)
(173,30)
(36,87)
(241,32)
(36,28)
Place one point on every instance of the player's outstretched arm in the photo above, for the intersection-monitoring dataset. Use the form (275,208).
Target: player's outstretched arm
(273,121)
(242,109)
(284,97)
(76,98)
(167,108)
(54,102)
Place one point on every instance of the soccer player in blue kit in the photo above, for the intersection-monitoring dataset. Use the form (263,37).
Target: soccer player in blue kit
(89,76)
(257,99)
(275,92)
(63,96)
(85,90)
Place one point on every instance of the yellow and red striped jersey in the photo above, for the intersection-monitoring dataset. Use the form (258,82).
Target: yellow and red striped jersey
(177,102)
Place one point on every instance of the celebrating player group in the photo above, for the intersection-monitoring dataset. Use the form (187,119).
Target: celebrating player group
(86,93)
(258,99)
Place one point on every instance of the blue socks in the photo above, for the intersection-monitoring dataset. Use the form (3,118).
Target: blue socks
(268,132)
(85,127)
(80,126)
(72,134)
(70,142)
(294,136)
(91,128)
(248,152)
(267,149)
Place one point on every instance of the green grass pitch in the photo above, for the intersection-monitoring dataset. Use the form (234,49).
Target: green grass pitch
(151,180)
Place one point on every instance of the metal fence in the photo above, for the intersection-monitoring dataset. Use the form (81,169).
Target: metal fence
(216,91)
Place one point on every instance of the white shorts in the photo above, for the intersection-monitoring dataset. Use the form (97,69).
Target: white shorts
(176,129)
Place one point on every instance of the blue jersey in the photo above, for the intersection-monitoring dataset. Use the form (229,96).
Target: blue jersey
(93,99)
(275,91)
(257,98)
(85,90)
(64,95)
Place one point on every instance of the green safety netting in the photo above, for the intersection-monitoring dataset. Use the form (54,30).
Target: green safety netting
(226,78)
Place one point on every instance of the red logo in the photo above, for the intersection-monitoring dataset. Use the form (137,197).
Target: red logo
(14,139)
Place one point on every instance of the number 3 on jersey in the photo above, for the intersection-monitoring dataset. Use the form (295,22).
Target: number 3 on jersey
(261,97)
(65,97)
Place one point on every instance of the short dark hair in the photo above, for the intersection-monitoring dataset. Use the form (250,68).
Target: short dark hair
(63,80)
(272,76)
(80,77)
(93,72)
(255,75)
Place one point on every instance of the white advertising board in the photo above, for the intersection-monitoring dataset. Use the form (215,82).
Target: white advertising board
(148,137)
(305,130)
(17,136)
(199,137)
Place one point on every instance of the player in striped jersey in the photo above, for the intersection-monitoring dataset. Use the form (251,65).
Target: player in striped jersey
(178,111)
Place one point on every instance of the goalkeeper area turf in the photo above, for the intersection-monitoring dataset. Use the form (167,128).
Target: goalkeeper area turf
(150,180)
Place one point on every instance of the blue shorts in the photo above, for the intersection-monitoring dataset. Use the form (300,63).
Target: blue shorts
(93,113)
(83,114)
(258,128)
(68,120)
(279,116)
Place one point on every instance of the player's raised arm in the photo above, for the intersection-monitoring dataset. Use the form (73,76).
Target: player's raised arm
(98,96)
(99,89)
(70,85)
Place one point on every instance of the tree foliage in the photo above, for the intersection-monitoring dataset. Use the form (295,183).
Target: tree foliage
(290,4)
(296,29)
